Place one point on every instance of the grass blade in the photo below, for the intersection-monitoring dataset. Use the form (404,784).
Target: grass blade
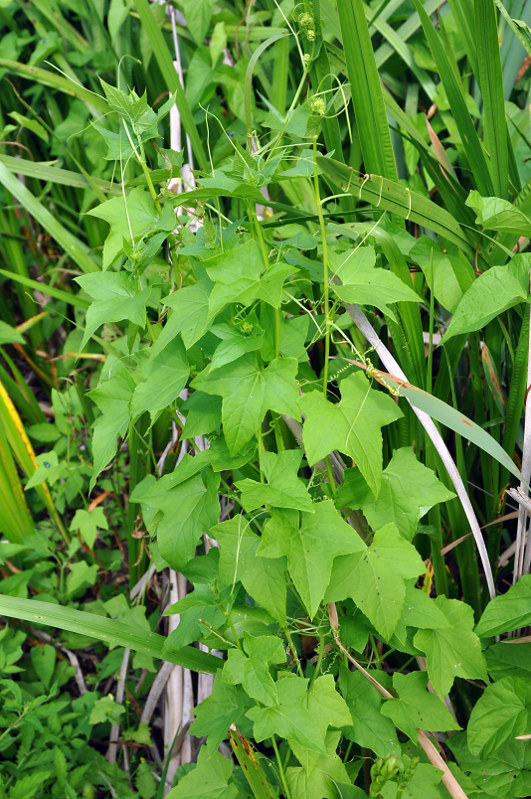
(169,73)
(111,631)
(491,85)
(70,244)
(15,519)
(48,78)
(367,96)
(469,137)
(390,196)
(427,422)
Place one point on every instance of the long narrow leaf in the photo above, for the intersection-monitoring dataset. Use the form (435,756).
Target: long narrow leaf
(59,294)
(367,97)
(111,631)
(55,81)
(390,196)
(169,73)
(54,174)
(491,85)
(450,417)
(70,244)
(469,137)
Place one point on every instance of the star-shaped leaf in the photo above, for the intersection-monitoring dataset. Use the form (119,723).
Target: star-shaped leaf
(112,398)
(353,426)
(189,317)
(325,778)
(186,510)
(249,391)
(251,669)
(88,523)
(417,708)
(375,578)
(130,218)
(263,578)
(408,490)
(453,651)
(163,379)
(226,705)
(368,727)
(310,541)
(290,717)
(284,489)
(363,283)
(115,298)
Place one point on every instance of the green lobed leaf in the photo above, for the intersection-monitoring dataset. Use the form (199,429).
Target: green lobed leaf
(363,283)
(311,542)
(408,491)
(284,489)
(352,426)
(263,578)
(115,298)
(163,378)
(453,651)
(375,578)
(112,398)
(249,391)
(186,510)
(208,780)
(416,708)
(369,727)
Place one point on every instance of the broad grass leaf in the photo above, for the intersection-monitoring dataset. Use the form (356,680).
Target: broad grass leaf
(417,708)
(498,716)
(310,542)
(352,426)
(110,631)
(10,334)
(375,578)
(493,292)
(453,419)
(453,651)
(508,611)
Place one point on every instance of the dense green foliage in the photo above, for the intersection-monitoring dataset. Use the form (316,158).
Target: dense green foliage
(189,384)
